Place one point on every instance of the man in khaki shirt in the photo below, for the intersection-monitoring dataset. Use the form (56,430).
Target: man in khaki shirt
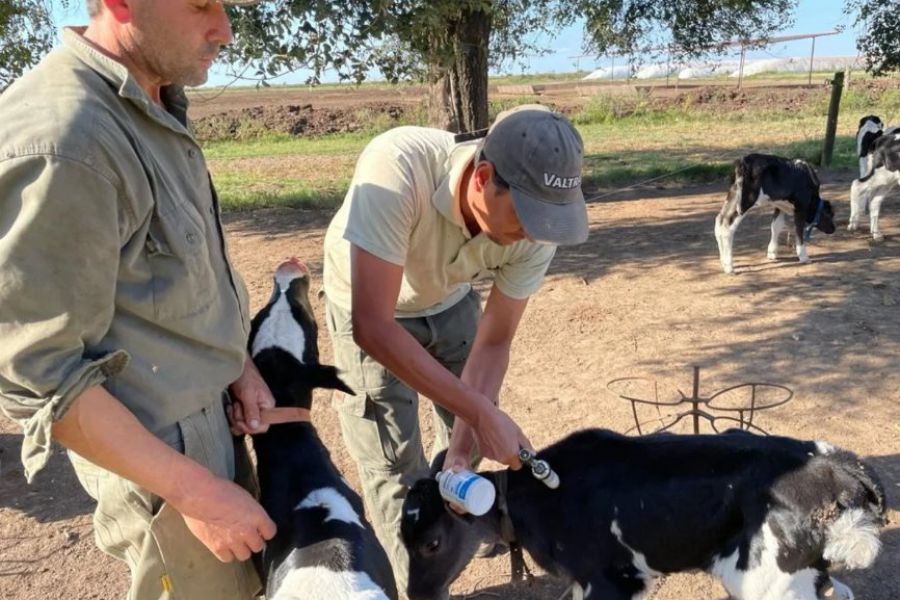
(122,321)
(424,217)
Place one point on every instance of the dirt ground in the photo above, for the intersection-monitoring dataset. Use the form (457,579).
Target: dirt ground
(643,297)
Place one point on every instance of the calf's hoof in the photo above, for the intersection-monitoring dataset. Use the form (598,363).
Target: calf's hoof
(772,256)
(877,237)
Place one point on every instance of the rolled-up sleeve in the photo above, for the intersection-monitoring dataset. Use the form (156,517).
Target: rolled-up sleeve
(61,230)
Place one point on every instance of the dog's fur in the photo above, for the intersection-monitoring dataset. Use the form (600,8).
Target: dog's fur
(324,549)
(789,186)
(869,191)
(768,516)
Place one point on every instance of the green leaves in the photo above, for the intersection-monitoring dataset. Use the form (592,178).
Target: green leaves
(690,28)
(26,34)
(879,22)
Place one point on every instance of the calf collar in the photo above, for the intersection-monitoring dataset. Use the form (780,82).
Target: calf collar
(808,229)
(284,414)
(519,569)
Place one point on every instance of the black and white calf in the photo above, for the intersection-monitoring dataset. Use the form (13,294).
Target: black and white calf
(767,516)
(869,191)
(871,127)
(788,186)
(324,549)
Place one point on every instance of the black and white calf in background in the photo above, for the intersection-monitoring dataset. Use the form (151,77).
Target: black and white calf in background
(788,186)
(883,178)
(871,127)
(324,549)
(767,516)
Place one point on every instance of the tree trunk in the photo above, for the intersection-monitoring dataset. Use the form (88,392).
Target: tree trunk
(458,95)
(437,104)
(469,83)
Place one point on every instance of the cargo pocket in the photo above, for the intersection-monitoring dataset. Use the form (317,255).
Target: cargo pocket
(184,283)
(187,570)
(381,428)
(208,440)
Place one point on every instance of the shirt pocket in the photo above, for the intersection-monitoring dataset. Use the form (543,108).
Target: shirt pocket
(183,281)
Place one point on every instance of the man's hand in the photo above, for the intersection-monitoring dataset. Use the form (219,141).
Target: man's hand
(225,518)
(499,438)
(251,395)
(459,451)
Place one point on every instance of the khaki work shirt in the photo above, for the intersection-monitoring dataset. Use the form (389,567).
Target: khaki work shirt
(402,206)
(113,267)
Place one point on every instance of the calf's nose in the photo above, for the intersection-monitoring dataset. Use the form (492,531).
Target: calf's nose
(292,267)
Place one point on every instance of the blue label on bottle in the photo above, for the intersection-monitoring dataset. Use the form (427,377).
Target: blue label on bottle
(464,488)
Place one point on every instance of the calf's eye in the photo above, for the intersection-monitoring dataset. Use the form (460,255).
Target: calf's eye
(432,546)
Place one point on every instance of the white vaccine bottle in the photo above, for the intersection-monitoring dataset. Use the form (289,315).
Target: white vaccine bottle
(470,491)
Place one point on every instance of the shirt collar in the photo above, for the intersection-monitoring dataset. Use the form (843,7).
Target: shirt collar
(119,77)
(446,197)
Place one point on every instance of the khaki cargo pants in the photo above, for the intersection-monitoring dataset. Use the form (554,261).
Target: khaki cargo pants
(380,425)
(166,561)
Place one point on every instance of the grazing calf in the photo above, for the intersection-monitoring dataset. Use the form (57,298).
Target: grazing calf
(768,516)
(868,192)
(324,549)
(870,129)
(789,186)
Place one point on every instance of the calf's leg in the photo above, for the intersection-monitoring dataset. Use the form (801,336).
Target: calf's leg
(857,204)
(779,223)
(726,225)
(874,214)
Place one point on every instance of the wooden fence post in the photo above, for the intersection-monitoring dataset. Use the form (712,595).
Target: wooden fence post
(837,86)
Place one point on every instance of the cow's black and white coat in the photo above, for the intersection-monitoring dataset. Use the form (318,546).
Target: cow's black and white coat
(788,186)
(871,127)
(324,548)
(768,516)
(883,178)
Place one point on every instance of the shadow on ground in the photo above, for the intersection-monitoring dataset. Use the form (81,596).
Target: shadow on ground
(54,495)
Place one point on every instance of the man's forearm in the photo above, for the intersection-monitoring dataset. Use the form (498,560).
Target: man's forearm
(99,428)
(484,371)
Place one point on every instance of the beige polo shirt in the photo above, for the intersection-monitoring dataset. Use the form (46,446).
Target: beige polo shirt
(113,267)
(402,207)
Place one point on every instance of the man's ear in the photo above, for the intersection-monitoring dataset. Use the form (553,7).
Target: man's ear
(121,10)
(483,173)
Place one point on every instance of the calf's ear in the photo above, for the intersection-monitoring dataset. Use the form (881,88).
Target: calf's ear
(326,376)
(437,463)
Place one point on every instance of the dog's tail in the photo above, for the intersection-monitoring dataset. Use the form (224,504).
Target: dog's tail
(852,538)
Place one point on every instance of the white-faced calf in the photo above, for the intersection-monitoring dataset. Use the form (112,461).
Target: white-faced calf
(787,186)
(768,516)
(324,549)
(883,178)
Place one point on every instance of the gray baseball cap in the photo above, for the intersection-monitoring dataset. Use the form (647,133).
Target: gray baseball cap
(539,153)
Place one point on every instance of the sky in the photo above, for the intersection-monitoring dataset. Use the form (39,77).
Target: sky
(565,50)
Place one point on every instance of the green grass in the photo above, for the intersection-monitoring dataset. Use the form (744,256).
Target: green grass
(239,191)
(626,143)
(286,145)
